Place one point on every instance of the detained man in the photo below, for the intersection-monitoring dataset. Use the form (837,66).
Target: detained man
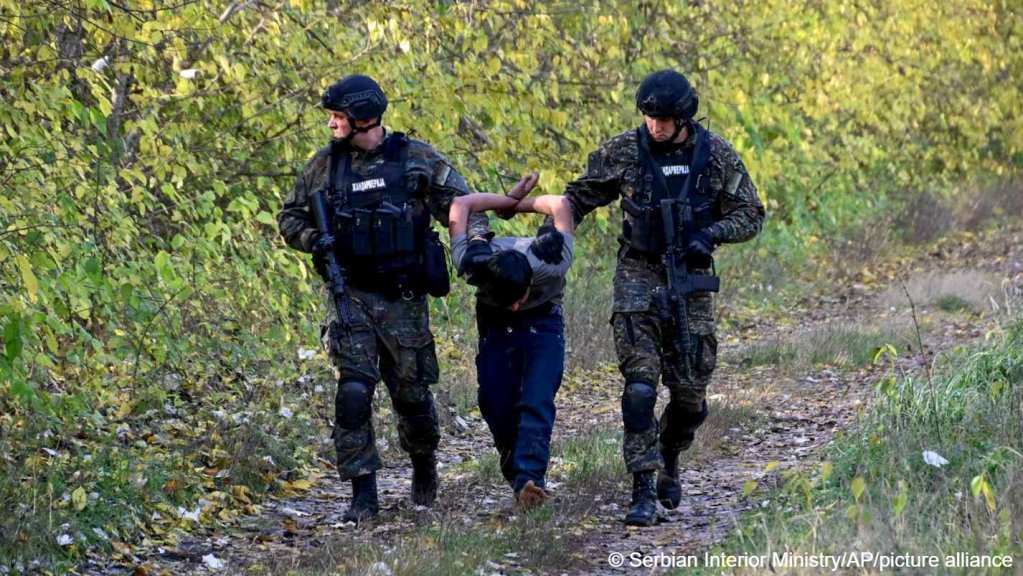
(521,356)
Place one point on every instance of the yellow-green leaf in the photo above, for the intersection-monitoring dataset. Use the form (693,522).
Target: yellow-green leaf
(79,499)
(858,486)
(29,278)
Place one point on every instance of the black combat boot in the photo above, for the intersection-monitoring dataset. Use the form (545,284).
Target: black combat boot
(679,432)
(643,509)
(669,488)
(424,479)
(364,499)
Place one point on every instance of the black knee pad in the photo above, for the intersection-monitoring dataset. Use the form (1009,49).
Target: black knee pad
(419,408)
(354,404)
(679,426)
(692,420)
(638,400)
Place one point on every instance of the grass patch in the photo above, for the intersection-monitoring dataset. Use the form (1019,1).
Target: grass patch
(717,430)
(829,345)
(876,493)
(960,290)
(254,454)
(590,462)
(587,308)
(952,303)
(486,467)
(587,463)
(532,542)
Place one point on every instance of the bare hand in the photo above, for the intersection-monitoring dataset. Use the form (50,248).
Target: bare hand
(522,188)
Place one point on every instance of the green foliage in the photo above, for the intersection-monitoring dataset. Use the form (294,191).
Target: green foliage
(877,489)
(146,146)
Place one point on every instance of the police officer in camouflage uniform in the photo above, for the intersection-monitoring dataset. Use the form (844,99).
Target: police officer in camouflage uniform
(725,209)
(382,188)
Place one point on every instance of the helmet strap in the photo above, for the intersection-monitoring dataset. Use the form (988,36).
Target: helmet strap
(679,123)
(670,142)
(364,129)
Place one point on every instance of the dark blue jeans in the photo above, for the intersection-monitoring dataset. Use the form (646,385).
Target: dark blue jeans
(519,369)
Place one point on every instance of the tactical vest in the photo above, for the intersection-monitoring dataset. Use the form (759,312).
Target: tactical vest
(644,231)
(380,221)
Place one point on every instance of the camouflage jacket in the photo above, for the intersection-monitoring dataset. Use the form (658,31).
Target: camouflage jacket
(612,172)
(441,183)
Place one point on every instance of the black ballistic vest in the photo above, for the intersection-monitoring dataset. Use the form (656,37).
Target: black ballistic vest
(380,222)
(645,232)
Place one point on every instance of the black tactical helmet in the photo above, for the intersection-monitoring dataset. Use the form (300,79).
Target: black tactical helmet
(357,95)
(667,94)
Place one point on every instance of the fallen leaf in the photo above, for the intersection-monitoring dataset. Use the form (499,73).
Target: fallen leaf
(79,499)
(212,562)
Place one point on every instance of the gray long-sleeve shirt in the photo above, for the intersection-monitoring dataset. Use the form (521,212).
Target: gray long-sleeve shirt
(548,283)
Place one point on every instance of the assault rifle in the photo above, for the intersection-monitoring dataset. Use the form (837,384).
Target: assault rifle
(334,273)
(680,282)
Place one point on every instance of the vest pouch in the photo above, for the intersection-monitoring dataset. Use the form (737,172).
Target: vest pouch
(647,232)
(383,234)
(404,231)
(435,266)
(362,239)
(345,230)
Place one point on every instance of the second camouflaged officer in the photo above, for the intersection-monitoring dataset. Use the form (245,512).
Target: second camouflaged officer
(382,189)
(670,156)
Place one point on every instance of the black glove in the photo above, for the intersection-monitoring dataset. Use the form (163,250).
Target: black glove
(476,256)
(322,245)
(549,245)
(699,249)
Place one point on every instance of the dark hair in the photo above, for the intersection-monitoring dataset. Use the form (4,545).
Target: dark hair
(508,277)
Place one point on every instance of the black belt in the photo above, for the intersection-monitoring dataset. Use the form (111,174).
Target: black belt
(650,257)
(388,289)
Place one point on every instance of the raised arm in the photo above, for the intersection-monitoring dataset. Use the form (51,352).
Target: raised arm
(599,185)
(557,207)
(463,207)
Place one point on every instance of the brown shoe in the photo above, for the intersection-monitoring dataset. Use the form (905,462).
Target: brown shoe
(529,497)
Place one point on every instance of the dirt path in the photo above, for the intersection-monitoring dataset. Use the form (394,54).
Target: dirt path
(760,415)
(794,422)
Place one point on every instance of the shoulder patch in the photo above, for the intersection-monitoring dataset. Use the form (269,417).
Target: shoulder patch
(441,173)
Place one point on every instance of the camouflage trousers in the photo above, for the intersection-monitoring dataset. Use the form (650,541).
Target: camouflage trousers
(389,340)
(644,334)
